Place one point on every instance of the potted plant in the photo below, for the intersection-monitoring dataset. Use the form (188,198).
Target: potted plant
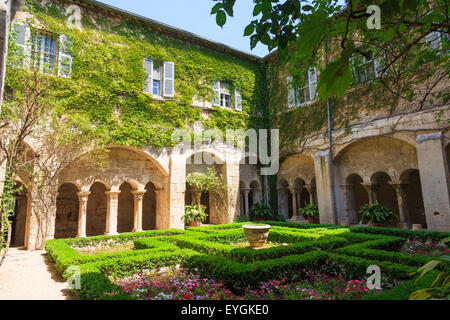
(194,215)
(376,215)
(260,212)
(310,212)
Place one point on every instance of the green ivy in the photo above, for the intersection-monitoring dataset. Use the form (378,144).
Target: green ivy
(108,78)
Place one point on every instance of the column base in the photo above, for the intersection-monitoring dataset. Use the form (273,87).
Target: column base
(137,231)
(403,225)
(82,236)
(111,233)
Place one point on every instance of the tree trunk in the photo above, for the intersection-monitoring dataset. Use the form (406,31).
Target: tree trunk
(8,242)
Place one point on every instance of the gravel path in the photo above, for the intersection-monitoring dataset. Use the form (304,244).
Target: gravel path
(29,275)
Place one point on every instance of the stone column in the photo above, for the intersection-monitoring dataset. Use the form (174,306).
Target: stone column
(138,198)
(246,204)
(434,177)
(82,200)
(323,167)
(350,212)
(403,211)
(159,193)
(371,189)
(294,202)
(310,190)
(177,189)
(112,206)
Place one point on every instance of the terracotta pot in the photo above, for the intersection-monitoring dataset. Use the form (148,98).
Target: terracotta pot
(312,220)
(257,235)
(374,224)
(194,224)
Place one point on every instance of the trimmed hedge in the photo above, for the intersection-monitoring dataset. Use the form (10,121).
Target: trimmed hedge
(208,251)
(421,235)
(237,275)
(61,252)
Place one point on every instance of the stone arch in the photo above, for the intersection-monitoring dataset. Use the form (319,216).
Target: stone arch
(297,165)
(125,217)
(96,210)
(412,197)
(369,155)
(383,192)
(207,199)
(67,210)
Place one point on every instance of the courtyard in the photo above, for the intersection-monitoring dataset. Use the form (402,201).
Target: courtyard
(300,262)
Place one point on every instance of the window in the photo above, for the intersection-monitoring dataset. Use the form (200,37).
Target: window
(223,96)
(435,40)
(363,69)
(305,94)
(48,53)
(159,82)
(44,52)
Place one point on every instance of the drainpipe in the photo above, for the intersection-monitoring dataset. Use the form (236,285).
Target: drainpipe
(5,9)
(330,146)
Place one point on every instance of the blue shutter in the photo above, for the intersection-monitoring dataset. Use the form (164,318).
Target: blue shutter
(65,56)
(169,79)
(312,78)
(237,100)
(216,95)
(148,66)
(291,92)
(20,32)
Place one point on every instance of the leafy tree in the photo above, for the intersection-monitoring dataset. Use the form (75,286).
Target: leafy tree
(332,35)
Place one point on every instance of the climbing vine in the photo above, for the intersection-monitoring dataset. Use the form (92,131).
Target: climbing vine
(108,78)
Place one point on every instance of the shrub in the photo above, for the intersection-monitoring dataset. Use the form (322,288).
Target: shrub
(376,213)
(195,213)
(260,211)
(309,211)
(240,219)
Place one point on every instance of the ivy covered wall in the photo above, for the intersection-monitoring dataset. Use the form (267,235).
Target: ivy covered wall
(108,77)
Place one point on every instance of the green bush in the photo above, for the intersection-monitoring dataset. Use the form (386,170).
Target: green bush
(376,213)
(260,211)
(309,211)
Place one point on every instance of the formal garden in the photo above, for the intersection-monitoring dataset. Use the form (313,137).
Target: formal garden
(298,261)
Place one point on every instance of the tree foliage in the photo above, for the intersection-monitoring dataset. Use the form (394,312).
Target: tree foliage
(329,34)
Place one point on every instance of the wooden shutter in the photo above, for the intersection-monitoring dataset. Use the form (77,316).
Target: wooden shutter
(148,66)
(237,100)
(312,78)
(216,96)
(169,79)
(291,92)
(20,32)
(434,39)
(65,57)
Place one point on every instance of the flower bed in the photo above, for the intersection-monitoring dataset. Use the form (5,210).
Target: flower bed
(174,284)
(108,246)
(428,248)
(215,268)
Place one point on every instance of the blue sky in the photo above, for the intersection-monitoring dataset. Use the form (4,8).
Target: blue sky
(194,16)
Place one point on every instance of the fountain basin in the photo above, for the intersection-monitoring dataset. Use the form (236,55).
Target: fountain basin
(257,234)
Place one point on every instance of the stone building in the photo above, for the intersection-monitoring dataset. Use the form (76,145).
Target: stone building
(399,159)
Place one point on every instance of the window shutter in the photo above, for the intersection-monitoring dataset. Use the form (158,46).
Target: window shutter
(216,97)
(291,92)
(20,32)
(434,39)
(237,100)
(312,77)
(65,57)
(169,79)
(148,66)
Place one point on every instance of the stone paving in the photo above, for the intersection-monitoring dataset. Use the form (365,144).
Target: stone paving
(29,275)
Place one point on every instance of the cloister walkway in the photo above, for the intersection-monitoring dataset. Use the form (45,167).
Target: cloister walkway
(29,275)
